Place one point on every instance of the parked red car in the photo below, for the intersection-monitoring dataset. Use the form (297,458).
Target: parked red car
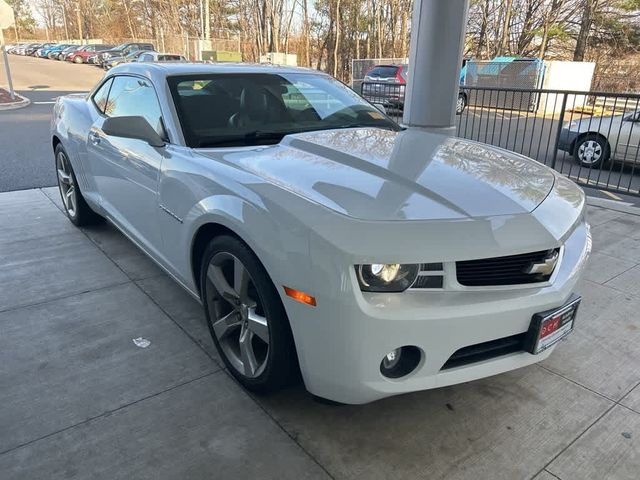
(82,54)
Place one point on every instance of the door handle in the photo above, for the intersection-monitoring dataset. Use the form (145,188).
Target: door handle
(94,138)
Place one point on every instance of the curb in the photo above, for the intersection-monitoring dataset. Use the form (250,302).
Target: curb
(622,207)
(21,103)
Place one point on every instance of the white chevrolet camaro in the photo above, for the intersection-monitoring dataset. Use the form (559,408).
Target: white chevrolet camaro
(320,237)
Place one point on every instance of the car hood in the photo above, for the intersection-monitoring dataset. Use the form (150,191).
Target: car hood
(374,174)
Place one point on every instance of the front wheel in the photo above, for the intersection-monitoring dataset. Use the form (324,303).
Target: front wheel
(77,59)
(461,103)
(591,151)
(246,318)
(75,206)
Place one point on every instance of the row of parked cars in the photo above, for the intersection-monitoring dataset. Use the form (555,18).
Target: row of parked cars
(104,56)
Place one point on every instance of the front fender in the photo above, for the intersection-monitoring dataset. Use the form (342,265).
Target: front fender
(279,242)
(209,192)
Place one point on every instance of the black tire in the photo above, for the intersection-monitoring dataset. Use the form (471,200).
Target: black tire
(281,361)
(597,145)
(461,103)
(81,214)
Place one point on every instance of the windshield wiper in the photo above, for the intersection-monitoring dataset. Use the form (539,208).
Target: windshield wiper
(245,139)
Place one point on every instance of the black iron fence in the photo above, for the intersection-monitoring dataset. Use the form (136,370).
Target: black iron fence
(591,137)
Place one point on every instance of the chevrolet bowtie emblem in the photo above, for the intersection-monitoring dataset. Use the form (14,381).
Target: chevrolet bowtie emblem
(546,266)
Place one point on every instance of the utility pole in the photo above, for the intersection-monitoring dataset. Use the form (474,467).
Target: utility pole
(207,29)
(79,24)
(201,20)
(64,21)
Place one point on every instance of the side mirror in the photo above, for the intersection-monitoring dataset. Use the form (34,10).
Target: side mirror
(132,127)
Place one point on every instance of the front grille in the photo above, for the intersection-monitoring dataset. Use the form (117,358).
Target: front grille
(497,271)
(486,351)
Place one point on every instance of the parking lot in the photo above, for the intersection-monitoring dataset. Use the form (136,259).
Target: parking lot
(107,369)
(24,133)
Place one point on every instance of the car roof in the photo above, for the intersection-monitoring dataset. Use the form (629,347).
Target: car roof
(173,69)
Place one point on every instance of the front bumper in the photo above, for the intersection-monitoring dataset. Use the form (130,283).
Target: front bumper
(342,341)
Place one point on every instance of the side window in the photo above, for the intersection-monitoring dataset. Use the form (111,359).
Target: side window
(131,96)
(146,58)
(100,97)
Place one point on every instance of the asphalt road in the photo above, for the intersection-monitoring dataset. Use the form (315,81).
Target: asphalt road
(26,159)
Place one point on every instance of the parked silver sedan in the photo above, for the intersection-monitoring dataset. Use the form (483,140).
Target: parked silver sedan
(595,140)
(160,57)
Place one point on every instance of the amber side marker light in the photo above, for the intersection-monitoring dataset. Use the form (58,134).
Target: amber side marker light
(300,296)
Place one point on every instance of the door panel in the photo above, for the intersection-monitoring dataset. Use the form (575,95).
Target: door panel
(127,170)
(628,141)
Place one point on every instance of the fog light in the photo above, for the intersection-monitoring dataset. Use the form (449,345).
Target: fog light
(392,358)
(400,362)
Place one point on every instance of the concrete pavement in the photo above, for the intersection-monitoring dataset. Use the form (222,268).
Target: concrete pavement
(81,400)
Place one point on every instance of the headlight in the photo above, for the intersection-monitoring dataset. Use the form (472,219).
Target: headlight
(390,277)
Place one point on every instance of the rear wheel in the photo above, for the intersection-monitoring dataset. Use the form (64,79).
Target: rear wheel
(77,59)
(591,151)
(75,206)
(246,318)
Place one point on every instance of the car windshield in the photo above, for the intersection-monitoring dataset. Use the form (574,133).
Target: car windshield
(221,110)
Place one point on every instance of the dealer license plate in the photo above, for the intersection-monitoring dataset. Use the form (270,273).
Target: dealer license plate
(548,328)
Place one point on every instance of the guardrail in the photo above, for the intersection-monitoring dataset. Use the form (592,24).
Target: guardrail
(591,137)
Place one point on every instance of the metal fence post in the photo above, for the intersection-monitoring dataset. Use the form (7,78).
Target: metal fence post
(560,122)
(7,69)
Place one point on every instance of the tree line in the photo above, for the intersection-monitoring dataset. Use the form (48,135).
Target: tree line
(328,34)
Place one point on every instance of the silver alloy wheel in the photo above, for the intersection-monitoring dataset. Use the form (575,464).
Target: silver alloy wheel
(589,152)
(237,315)
(66,184)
